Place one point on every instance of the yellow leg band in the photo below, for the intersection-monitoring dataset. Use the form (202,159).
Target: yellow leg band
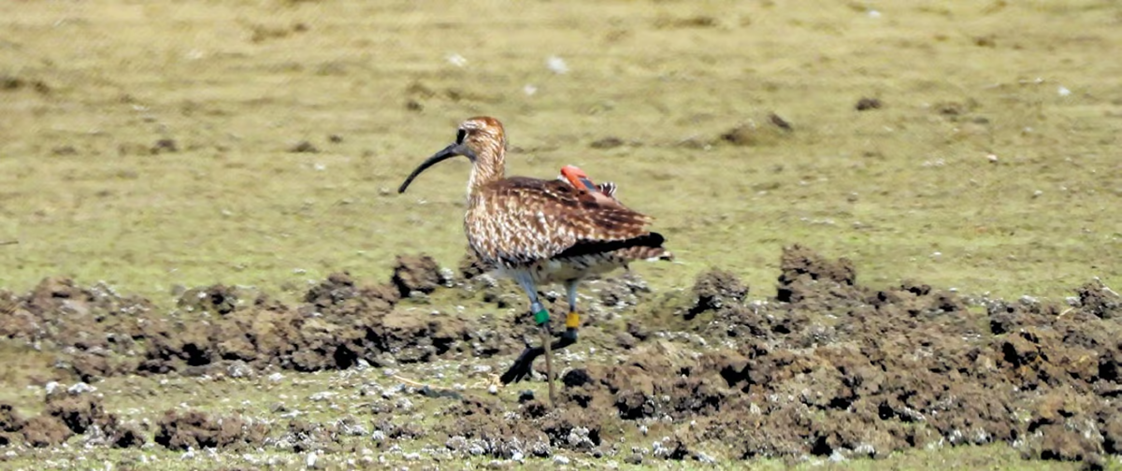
(572,321)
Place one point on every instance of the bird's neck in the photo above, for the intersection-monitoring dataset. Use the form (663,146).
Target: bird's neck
(488,167)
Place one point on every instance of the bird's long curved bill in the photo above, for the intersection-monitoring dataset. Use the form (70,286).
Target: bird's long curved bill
(445,154)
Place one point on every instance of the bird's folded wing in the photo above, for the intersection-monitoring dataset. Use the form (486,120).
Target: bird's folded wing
(520,220)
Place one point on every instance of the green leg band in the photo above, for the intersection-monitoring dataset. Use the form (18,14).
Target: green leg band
(541,317)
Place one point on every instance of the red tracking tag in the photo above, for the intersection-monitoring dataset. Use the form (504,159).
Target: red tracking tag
(578,178)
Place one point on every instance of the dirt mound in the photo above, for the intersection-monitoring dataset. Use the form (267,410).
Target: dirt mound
(714,290)
(94,326)
(472,267)
(39,431)
(805,273)
(78,411)
(829,366)
(98,333)
(66,414)
(196,429)
(826,367)
(218,299)
(10,424)
(1096,298)
(122,435)
(43,431)
(417,274)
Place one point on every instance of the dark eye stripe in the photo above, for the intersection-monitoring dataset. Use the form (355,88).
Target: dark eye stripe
(460,136)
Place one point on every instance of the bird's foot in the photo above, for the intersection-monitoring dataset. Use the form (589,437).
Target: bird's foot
(523,366)
(568,337)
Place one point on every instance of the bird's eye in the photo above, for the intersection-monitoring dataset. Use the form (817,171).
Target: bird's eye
(460,136)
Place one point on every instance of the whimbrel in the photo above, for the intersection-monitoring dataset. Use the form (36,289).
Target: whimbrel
(542,231)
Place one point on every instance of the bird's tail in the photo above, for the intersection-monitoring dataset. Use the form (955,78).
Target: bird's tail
(650,254)
(647,247)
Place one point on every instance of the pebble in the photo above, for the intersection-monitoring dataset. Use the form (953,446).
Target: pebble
(457,60)
(557,65)
(239,369)
(405,404)
(80,388)
(321,396)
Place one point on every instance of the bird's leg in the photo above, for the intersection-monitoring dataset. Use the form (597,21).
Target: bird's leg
(521,368)
(546,334)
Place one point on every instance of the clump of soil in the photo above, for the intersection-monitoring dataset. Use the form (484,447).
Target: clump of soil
(43,431)
(196,429)
(78,411)
(472,267)
(865,104)
(123,435)
(417,273)
(751,134)
(1096,298)
(218,299)
(805,273)
(10,424)
(715,289)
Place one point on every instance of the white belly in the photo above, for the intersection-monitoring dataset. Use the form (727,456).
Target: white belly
(557,271)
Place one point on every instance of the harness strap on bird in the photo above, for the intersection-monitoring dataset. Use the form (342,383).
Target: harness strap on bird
(578,178)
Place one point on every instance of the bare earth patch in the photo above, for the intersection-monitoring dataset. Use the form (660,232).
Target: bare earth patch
(828,367)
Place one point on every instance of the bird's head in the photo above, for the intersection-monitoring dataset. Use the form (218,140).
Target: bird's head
(480,139)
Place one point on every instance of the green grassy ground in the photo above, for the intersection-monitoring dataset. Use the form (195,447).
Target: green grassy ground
(92,88)
(992,166)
